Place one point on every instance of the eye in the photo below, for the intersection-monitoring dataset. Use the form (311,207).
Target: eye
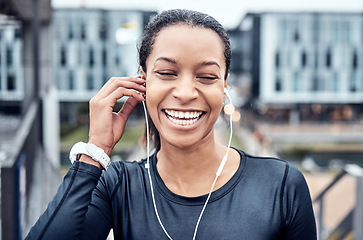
(208,78)
(166,75)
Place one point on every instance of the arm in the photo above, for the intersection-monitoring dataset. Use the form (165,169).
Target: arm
(299,216)
(65,216)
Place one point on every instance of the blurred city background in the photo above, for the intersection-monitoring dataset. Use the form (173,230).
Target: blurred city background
(296,83)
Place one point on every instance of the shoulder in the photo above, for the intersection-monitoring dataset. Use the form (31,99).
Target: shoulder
(265,165)
(120,168)
(121,172)
(273,168)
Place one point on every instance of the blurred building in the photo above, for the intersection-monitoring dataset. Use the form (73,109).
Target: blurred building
(302,66)
(11,66)
(29,129)
(91,46)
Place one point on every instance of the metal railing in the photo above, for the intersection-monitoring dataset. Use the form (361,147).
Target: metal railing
(354,219)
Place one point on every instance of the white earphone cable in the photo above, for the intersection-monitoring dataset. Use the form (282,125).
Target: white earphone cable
(221,166)
(148,171)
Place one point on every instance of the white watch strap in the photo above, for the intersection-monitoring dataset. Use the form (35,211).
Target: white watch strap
(90,150)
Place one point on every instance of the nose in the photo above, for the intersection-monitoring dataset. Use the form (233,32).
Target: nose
(185,89)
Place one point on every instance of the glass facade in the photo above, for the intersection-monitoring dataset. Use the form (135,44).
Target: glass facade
(11,66)
(311,58)
(93,45)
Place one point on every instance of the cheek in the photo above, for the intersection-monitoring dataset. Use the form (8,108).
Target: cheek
(216,102)
(150,97)
(214,97)
(154,95)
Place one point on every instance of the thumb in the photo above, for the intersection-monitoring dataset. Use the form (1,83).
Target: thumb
(127,108)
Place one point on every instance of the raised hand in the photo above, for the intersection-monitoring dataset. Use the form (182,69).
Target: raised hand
(106,126)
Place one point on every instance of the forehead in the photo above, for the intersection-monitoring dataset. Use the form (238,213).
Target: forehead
(181,39)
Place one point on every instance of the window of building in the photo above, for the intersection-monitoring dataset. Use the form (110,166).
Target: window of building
(296,36)
(278,84)
(83,31)
(79,55)
(353,82)
(70,31)
(296,82)
(277,59)
(90,82)
(11,82)
(316,60)
(103,30)
(328,58)
(303,58)
(355,60)
(335,87)
(315,85)
(63,57)
(9,56)
(91,57)
(104,57)
(18,33)
(71,80)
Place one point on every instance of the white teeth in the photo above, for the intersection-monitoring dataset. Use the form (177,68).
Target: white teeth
(184,115)
(183,122)
(183,118)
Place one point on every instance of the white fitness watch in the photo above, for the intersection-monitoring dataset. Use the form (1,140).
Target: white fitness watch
(90,150)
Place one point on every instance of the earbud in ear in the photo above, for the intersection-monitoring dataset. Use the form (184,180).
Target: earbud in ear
(225,91)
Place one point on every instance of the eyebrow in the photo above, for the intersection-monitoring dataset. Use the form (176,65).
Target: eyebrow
(210,63)
(206,63)
(166,59)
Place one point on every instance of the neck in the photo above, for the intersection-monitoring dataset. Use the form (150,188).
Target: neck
(190,171)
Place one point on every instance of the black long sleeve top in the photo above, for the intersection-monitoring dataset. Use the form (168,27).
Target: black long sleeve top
(266,199)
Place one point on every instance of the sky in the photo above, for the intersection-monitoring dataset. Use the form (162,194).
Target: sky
(227,12)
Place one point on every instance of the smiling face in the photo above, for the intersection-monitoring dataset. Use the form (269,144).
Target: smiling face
(184,84)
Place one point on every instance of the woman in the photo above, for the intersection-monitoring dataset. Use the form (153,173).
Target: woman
(184,61)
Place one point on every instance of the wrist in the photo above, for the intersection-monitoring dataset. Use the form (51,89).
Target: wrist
(89,153)
(106,149)
(87,159)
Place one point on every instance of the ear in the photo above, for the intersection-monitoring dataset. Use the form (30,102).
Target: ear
(225,82)
(143,73)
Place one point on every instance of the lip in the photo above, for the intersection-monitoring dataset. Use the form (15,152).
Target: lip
(183,118)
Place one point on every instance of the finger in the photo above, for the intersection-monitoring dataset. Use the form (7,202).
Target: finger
(127,108)
(122,92)
(111,80)
(132,83)
(114,83)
